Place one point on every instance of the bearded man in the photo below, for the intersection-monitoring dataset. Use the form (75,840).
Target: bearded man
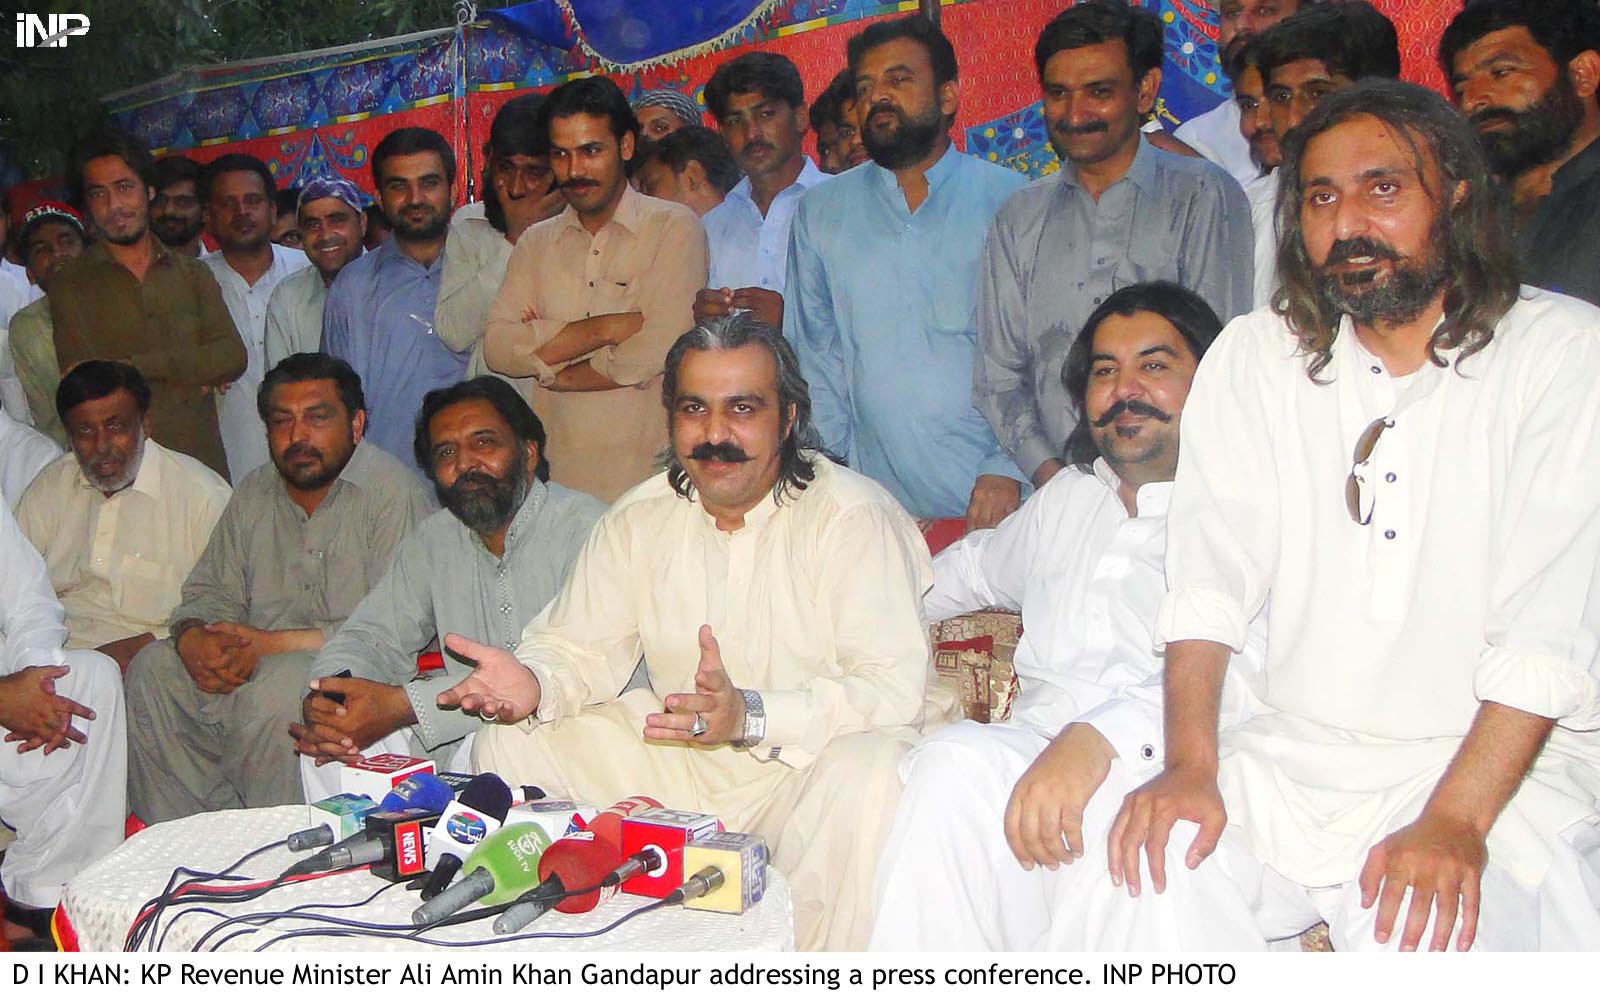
(300,542)
(1527,72)
(483,567)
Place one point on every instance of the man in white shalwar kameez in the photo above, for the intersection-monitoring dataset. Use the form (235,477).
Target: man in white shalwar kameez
(1407,464)
(64,759)
(995,820)
(782,590)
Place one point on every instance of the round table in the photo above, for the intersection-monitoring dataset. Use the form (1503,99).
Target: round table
(103,900)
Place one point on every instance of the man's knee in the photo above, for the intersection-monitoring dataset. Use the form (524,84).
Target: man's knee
(92,680)
(275,691)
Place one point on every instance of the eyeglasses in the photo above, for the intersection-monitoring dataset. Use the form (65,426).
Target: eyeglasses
(1359,501)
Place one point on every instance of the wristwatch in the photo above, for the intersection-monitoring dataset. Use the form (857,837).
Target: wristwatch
(755,719)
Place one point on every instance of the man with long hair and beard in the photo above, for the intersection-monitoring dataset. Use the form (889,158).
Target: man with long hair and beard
(301,541)
(883,277)
(1405,461)
(1526,73)
(483,567)
(774,596)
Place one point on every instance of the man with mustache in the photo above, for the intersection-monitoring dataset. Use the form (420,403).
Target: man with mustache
(593,298)
(1527,73)
(1317,52)
(1119,212)
(1405,463)
(241,208)
(519,190)
(1015,806)
(882,280)
(132,298)
(300,543)
(331,227)
(834,120)
(1215,135)
(483,567)
(774,598)
(760,107)
(121,520)
(379,316)
(177,215)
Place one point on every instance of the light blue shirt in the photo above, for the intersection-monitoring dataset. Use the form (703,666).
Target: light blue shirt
(749,250)
(881,309)
(379,318)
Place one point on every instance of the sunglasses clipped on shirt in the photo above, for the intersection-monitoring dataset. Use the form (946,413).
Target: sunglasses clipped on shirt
(1358,495)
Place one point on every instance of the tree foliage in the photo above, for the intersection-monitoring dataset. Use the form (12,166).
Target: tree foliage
(51,96)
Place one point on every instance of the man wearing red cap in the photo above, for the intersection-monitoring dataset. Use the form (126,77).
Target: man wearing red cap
(51,235)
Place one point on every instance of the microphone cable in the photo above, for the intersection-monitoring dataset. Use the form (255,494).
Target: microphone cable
(372,931)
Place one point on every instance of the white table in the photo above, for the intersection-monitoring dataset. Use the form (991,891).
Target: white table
(103,900)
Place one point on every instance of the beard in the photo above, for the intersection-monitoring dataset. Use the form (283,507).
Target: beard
(1411,286)
(1533,137)
(175,230)
(433,225)
(122,480)
(484,503)
(906,142)
(311,477)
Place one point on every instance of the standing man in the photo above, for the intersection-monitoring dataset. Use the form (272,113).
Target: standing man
(760,107)
(331,227)
(1527,73)
(121,520)
(1433,707)
(1118,212)
(834,120)
(240,197)
(593,297)
(380,311)
(882,277)
(1215,135)
(692,167)
(130,297)
(177,213)
(519,191)
(299,545)
(52,235)
(662,112)
(788,662)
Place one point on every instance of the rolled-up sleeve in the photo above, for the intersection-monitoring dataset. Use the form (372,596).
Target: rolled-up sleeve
(509,343)
(874,570)
(1222,526)
(1542,652)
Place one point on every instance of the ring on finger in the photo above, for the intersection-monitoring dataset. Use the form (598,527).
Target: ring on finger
(699,728)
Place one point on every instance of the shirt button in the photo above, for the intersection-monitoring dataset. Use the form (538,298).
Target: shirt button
(1148,752)
(597,253)
(1389,534)
(591,284)
(1098,299)
(1391,477)
(1376,370)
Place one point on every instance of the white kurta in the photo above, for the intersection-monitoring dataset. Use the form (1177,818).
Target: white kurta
(244,437)
(1262,194)
(1215,135)
(68,808)
(815,603)
(751,250)
(23,452)
(1475,581)
(1088,580)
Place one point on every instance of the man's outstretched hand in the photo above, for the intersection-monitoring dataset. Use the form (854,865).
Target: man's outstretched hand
(499,688)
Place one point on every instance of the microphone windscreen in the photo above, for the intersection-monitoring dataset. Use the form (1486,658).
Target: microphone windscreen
(420,791)
(487,794)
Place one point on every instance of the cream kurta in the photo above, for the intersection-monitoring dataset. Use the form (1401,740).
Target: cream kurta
(1475,581)
(815,603)
(650,258)
(118,563)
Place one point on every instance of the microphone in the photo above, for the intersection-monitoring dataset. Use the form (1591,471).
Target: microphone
(421,793)
(653,843)
(740,861)
(331,818)
(572,868)
(501,868)
(479,811)
(702,882)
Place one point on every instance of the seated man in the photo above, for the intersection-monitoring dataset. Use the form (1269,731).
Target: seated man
(121,520)
(63,763)
(1000,810)
(1406,464)
(484,566)
(301,542)
(775,597)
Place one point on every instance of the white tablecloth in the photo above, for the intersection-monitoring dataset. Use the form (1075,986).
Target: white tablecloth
(103,900)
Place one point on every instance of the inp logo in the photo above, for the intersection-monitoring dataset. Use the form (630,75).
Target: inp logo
(49,30)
